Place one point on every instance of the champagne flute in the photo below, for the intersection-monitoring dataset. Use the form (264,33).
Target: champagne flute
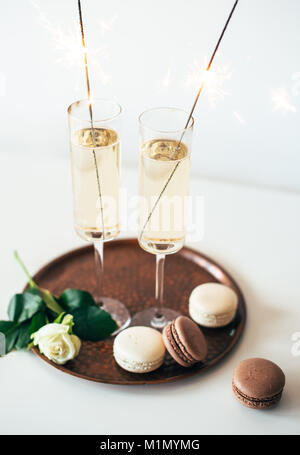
(95,164)
(164,174)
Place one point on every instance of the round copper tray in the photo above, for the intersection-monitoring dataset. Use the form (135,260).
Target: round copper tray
(130,278)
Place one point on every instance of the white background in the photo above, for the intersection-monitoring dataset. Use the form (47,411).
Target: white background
(145,54)
(251,223)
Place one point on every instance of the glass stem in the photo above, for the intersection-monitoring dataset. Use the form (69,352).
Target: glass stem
(99,257)
(159,287)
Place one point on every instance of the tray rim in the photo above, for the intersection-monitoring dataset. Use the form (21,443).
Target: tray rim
(189,254)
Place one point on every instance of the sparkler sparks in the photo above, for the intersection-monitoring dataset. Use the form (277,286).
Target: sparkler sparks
(107,26)
(214,80)
(68,44)
(66,41)
(239,117)
(282,101)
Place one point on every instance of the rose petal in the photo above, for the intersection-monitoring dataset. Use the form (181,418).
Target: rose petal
(48,330)
(77,343)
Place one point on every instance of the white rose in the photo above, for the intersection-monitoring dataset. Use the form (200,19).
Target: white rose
(56,343)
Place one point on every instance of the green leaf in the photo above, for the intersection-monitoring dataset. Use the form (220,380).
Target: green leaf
(72,299)
(23,306)
(29,327)
(11,338)
(92,323)
(23,335)
(38,321)
(51,315)
(33,291)
(15,307)
(51,302)
(5,326)
(10,329)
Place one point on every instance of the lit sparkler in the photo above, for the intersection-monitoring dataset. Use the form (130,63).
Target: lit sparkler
(68,43)
(214,80)
(282,101)
(190,117)
(88,86)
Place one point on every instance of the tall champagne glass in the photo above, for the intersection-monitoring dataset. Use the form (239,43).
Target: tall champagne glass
(164,174)
(95,164)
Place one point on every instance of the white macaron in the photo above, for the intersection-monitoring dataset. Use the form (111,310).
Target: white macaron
(213,305)
(139,349)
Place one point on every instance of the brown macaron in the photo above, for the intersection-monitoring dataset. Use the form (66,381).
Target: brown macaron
(185,341)
(258,383)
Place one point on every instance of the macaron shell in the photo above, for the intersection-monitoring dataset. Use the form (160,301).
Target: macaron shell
(191,337)
(258,379)
(211,320)
(213,304)
(183,351)
(173,349)
(256,404)
(139,349)
(138,367)
(214,298)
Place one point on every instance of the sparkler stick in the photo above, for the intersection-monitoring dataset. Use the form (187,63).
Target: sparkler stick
(189,118)
(91,114)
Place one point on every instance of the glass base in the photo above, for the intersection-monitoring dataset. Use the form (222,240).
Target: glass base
(118,312)
(154,317)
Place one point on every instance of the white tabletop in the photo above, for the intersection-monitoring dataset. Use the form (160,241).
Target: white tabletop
(254,233)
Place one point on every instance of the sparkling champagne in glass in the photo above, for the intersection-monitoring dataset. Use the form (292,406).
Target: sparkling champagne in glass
(86,181)
(95,165)
(164,174)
